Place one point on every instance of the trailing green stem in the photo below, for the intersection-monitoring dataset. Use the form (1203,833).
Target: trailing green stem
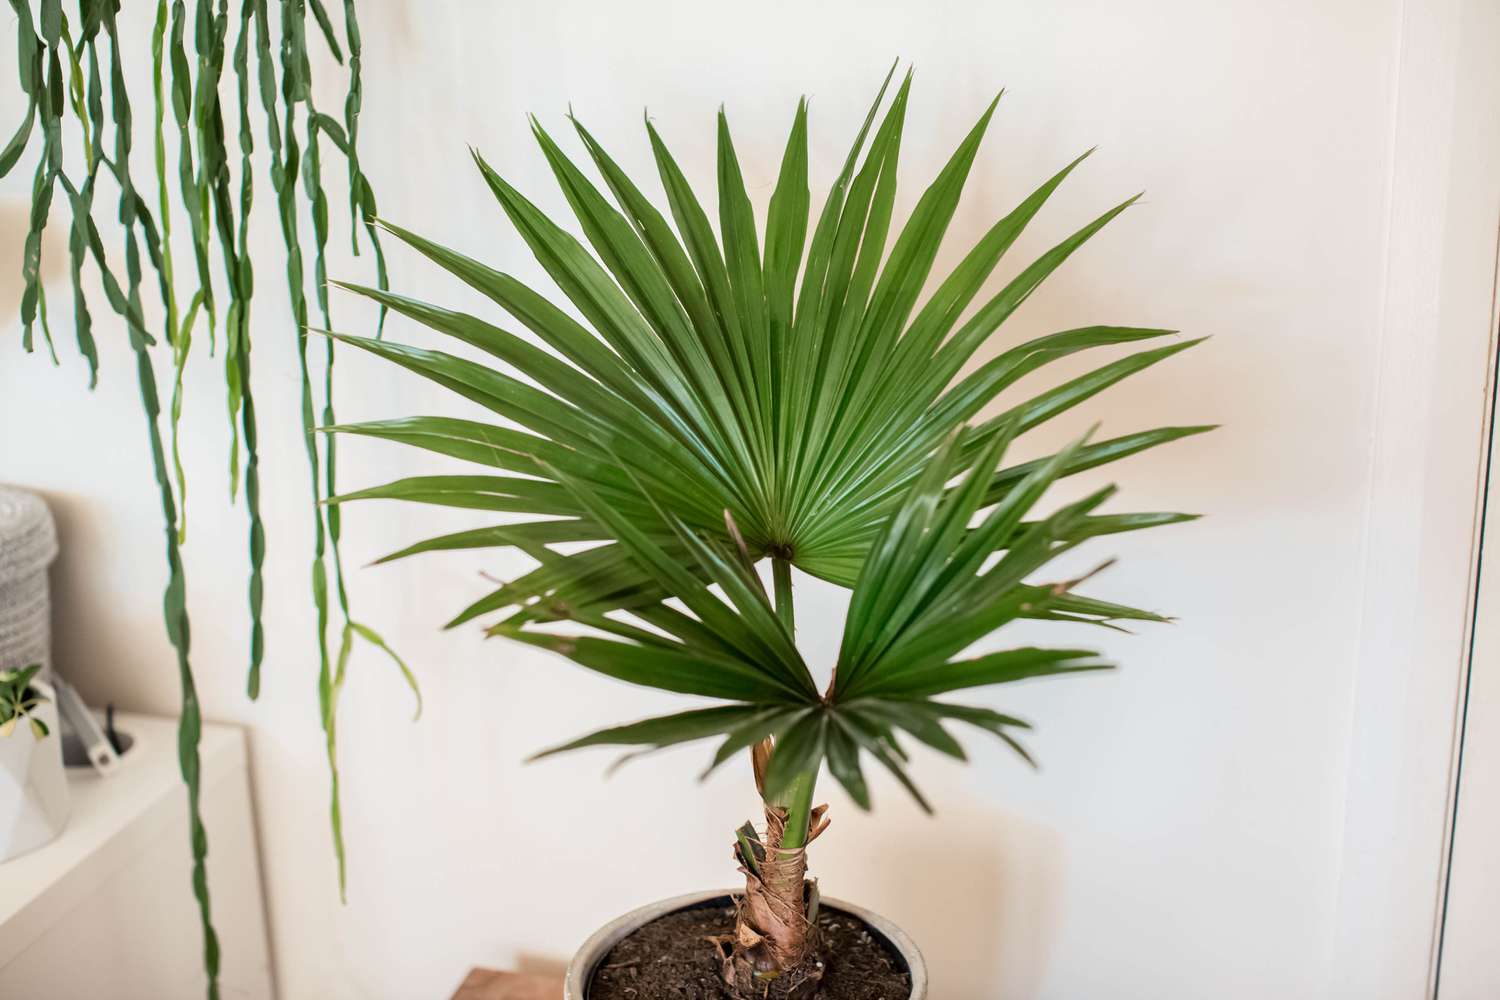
(285,168)
(190,725)
(289,162)
(244,285)
(178,337)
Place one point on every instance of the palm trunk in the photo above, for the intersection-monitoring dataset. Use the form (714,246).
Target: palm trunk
(774,949)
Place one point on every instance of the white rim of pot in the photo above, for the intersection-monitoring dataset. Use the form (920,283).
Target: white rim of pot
(581,968)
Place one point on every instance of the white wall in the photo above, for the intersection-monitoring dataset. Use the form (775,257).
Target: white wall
(1186,833)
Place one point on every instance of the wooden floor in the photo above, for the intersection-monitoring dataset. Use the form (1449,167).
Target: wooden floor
(490,984)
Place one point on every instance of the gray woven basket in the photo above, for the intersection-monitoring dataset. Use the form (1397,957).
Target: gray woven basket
(28,544)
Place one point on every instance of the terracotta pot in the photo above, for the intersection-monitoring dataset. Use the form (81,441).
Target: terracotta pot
(581,969)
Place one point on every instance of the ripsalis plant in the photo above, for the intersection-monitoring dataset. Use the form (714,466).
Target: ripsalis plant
(204,170)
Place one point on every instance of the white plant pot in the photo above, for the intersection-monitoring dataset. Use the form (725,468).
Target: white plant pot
(33,786)
(581,969)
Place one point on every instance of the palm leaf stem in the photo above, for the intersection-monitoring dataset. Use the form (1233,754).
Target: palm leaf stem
(799,796)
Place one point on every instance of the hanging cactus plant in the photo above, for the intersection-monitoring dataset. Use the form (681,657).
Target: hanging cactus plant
(80,123)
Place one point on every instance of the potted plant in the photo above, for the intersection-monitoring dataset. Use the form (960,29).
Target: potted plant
(33,787)
(721,405)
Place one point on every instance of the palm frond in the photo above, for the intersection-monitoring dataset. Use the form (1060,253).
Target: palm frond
(731,395)
(929,592)
(805,409)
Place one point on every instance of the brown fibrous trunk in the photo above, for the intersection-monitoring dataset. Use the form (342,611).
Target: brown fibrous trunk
(773,952)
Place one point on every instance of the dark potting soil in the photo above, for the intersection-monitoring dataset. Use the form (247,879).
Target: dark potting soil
(671,959)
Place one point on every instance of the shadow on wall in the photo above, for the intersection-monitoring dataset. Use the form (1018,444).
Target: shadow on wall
(984,907)
(979,892)
(83,652)
(15,220)
(90,637)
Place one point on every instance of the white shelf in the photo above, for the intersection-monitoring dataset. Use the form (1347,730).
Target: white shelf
(124,856)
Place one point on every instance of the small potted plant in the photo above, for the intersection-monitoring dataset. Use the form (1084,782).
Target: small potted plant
(723,403)
(33,787)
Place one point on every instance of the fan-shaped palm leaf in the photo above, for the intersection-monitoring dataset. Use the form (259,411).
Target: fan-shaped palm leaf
(805,407)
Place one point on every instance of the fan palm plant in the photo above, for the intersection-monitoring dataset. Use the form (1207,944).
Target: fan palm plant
(728,400)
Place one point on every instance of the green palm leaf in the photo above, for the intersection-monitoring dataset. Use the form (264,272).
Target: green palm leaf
(731,394)
(703,367)
(927,594)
